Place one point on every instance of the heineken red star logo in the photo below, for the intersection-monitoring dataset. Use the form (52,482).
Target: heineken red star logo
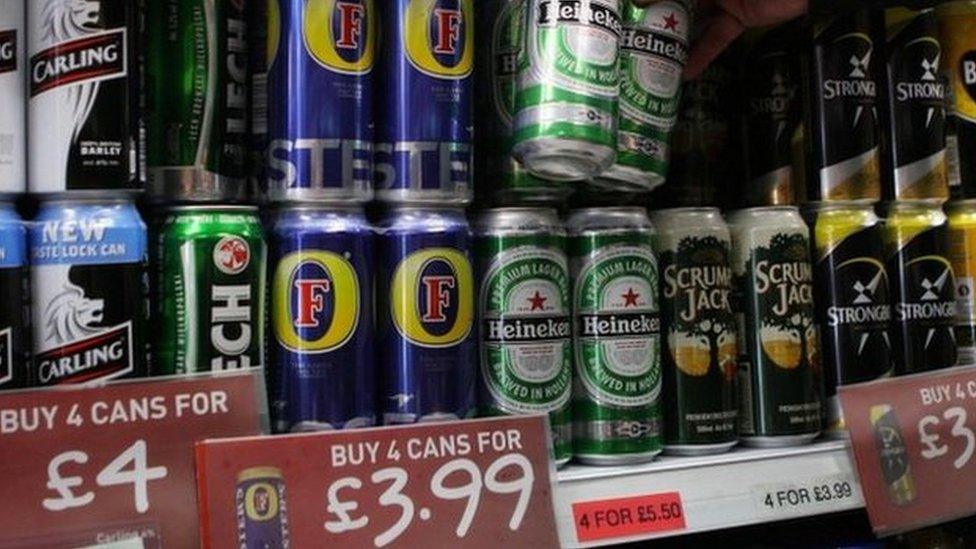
(538,301)
(630,298)
(670,22)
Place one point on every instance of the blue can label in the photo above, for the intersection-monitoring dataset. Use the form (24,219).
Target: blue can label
(432,297)
(13,301)
(13,243)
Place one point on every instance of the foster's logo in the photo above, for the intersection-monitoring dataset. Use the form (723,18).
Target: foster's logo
(432,297)
(340,34)
(438,38)
(316,301)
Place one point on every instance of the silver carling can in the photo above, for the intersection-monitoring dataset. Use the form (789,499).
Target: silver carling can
(13,171)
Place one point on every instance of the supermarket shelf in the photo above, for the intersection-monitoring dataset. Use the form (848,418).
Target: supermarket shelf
(745,486)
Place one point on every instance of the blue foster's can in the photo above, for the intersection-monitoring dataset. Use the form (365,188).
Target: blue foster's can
(321,56)
(321,365)
(423,137)
(425,306)
(14,300)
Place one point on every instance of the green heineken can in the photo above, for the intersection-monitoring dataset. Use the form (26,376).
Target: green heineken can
(210,312)
(653,51)
(565,125)
(699,331)
(197,68)
(526,329)
(617,337)
(779,346)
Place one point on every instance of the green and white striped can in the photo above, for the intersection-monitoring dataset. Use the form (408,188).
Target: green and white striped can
(617,336)
(566,106)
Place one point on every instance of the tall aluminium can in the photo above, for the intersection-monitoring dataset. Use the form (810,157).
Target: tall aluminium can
(568,88)
(262,509)
(525,322)
(13,105)
(851,290)
(321,58)
(923,289)
(957,34)
(425,302)
(84,111)
(699,331)
(424,131)
(320,368)
(257,14)
(779,351)
(617,336)
(962,255)
(15,334)
(89,284)
(211,271)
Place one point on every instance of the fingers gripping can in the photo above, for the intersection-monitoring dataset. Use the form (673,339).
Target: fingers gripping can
(698,328)
(962,255)
(13,134)
(262,509)
(617,336)
(566,106)
(525,324)
(14,301)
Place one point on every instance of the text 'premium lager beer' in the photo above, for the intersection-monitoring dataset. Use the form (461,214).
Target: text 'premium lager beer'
(957,34)
(262,509)
(14,301)
(83,82)
(321,59)
(13,134)
(210,301)
(962,255)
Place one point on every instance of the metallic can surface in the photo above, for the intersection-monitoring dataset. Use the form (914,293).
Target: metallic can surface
(211,263)
(321,369)
(525,319)
(893,453)
(962,255)
(851,289)
(568,87)
(197,71)
(257,14)
(15,336)
(957,34)
(779,354)
(262,509)
(89,283)
(424,131)
(425,299)
(698,327)
(321,149)
(923,298)
(13,122)
(84,106)
(617,340)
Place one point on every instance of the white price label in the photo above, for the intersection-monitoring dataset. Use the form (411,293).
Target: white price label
(807,496)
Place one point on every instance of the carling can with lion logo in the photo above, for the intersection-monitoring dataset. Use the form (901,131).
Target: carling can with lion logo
(210,306)
(89,282)
(83,86)
(13,137)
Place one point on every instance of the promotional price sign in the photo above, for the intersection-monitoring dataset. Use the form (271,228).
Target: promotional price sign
(914,440)
(82,466)
(484,483)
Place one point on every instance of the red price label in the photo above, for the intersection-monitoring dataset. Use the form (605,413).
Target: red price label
(630,516)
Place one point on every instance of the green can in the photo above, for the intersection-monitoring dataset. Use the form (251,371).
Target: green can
(617,336)
(524,311)
(211,268)
(197,68)
(565,125)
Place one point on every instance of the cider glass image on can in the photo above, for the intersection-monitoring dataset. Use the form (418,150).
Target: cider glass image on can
(893,453)
(962,255)
(957,35)
(13,106)
(262,509)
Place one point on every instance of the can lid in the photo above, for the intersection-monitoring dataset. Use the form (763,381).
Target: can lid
(518,218)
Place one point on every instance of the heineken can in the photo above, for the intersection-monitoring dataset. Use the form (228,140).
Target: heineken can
(211,298)
(197,69)
(617,336)
(525,325)
(841,119)
(653,50)
(851,291)
(15,371)
(699,331)
(13,122)
(893,452)
(957,35)
(779,351)
(262,509)
(923,290)
(962,256)
(914,162)
(565,125)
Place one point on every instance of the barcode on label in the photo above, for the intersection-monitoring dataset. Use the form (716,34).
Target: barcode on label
(967,356)
(952,161)
(259,104)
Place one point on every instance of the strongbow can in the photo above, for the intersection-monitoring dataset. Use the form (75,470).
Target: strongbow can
(568,86)
(89,283)
(851,291)
(321,372)
(13,134)
(321,58)
(14,301)
(923,298)
(210,308)
(423,149)
(262,509)
(962,255)
(893,453)
(525,321)
(425,303)
(698,331)
(84,107)
(617,336)
(957,34)
(779,352)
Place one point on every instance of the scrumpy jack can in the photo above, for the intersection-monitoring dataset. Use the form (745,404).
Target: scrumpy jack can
(14,301)
(13,134)
(525,319)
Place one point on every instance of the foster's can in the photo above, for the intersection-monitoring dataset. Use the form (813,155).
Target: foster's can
(262,509)
(14,301)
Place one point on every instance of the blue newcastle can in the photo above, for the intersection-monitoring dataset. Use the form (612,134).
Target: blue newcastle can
(425,307)
(321,373)
(14,301)
(423,137)
(321,56)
